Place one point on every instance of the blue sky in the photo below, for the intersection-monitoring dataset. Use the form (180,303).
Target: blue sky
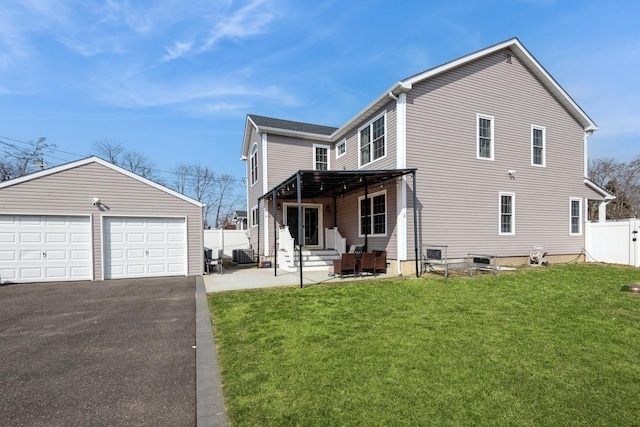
(174,80)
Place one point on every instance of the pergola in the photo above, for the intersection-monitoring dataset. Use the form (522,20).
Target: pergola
(306,184)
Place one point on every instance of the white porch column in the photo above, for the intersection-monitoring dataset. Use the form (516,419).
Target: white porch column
(586,160)
(401,194)
(265,189)
(602,211)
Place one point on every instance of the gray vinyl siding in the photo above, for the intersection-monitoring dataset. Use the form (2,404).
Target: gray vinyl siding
(459,194)
(288,155)
(350,160)
(69,192)
(349,222)
(255,190)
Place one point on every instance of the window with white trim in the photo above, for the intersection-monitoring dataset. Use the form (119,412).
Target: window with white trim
(254,216)
(254,164)
(320,157)
(372,141)
(341,148)
(485,139)
(575,216)
(538,145)
(372,214)
(507,225)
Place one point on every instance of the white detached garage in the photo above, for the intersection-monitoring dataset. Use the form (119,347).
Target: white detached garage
(91,220)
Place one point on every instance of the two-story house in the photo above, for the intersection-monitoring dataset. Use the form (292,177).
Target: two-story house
(486,154)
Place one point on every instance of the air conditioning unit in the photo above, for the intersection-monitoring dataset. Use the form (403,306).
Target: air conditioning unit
(243,256)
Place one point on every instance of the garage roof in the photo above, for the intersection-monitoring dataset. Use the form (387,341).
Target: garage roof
(98,160)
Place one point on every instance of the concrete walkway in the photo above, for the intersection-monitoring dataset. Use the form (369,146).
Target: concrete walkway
(237,278)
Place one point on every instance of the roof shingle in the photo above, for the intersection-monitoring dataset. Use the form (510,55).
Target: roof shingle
(291,125)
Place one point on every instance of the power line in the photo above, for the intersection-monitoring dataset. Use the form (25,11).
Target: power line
(164,173)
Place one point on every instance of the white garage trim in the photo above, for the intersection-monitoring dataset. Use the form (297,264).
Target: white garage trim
(45,248)
(144,246)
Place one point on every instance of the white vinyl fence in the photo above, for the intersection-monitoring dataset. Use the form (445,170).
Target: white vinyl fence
(228,240)
(614,242)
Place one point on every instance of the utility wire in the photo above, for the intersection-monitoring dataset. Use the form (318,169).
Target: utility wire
(166,174)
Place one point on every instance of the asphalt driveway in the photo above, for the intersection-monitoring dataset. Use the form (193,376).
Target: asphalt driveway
(98,353)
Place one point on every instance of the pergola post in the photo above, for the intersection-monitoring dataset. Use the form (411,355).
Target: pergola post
(275,251)
(367,216)
(258,219)
(300,227)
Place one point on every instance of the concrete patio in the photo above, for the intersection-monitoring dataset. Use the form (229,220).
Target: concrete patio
(237,278)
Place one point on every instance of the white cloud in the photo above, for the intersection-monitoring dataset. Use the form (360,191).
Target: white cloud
(247,21)
(221,108)
(178,50)
(134,91)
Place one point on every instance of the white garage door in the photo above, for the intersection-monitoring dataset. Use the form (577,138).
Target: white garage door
(44,248)
(144,247)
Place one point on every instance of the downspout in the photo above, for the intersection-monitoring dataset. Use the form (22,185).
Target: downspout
(415,221)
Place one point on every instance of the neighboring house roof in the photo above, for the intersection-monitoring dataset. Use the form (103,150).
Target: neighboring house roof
(318,132)
(95,159)
(595,187)
(239,214)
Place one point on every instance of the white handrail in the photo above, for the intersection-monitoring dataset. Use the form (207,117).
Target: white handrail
(335,240)
(286,242)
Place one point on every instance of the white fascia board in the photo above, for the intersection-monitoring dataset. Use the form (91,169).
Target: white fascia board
(542,74)
(372,108)
(246,142)
(95,159)
(302,135)
(553,86)
(458,62)
(595,187)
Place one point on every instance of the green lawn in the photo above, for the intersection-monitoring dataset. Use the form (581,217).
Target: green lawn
(553,346)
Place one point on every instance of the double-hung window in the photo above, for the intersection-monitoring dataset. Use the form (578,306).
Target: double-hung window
(485,139)
(372,212)
(507,225)
(254,164)
(538,145)
(575,216)
(372,141)
(254,216)
(341,148)
(320,157)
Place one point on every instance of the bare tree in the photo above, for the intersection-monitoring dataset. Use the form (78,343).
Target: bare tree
(17,161)
(622,179)
(219,193)
(132,161)
(182,173)
(110,150)
(226,198)
(202,186)
(137,163)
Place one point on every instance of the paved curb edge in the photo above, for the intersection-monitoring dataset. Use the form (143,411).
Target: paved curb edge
(209,398)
